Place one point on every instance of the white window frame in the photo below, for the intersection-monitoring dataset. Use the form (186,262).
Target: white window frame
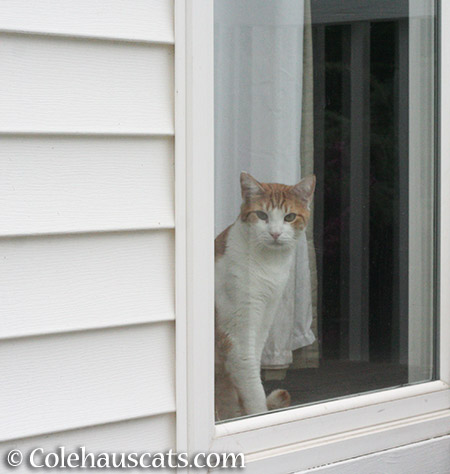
(303,437)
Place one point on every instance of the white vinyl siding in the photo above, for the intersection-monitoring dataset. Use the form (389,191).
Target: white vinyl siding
(80,184)
(73,282)
(87,228)
(430,457)
(128,436)
(66,381)
(66,85)
(139,21)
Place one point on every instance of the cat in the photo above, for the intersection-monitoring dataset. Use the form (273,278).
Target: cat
(253,257)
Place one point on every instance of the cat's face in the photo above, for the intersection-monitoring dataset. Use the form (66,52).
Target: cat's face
(275,214)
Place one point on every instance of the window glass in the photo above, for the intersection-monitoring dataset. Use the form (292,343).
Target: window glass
(324,200)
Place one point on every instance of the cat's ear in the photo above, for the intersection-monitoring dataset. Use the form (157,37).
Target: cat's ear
(250,186)
(304,190)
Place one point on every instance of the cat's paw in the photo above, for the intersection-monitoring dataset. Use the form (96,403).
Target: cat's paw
(278,399)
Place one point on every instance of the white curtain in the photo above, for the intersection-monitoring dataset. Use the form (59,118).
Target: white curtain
(258,108)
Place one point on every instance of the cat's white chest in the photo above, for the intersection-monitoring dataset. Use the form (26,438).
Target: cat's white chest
(248,288)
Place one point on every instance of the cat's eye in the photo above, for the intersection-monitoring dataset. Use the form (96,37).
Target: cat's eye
(262,215)
(290,217)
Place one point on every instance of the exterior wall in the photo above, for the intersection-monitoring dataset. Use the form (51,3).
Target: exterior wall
(86,236)
(431,457)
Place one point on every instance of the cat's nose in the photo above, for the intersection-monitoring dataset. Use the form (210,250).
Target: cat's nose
(275,235)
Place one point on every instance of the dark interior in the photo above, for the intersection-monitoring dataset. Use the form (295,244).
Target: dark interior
(361,200)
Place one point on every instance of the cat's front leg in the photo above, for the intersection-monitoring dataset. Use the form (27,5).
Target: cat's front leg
(244,371)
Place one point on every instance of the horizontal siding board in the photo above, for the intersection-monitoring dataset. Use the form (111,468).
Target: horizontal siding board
(73,282)
(53,84)
(152,434)
(141,20)
(431,457)
(55,383)
(76,184)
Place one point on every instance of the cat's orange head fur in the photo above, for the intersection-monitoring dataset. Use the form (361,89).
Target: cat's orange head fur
(262,199)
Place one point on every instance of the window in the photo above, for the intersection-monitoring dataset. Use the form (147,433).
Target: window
(353,425)
(361,271)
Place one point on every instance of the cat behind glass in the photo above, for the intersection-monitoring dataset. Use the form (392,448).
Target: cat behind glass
(253,257)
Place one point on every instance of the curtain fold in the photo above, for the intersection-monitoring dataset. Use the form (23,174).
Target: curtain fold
(308,355)
(259,95)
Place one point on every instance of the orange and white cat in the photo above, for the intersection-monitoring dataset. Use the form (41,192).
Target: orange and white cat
(253,257)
